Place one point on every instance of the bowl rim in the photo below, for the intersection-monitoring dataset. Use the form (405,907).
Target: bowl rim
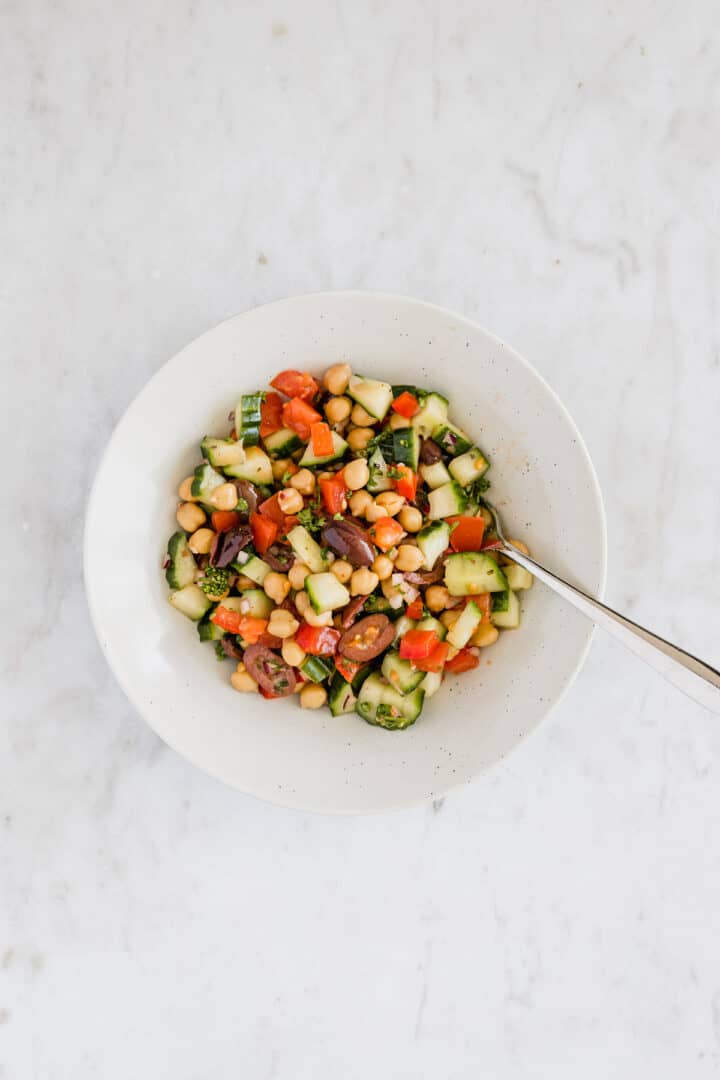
(330,295)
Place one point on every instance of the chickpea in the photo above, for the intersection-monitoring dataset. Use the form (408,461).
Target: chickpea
(224,497)
(359,437)
(375,511)
(297,574)
(392,502)
(244,582)
(436,597)
(449,618)
(360,418)
(356,474)
(276,586)
(409,558)
(190,517)
(312,618)
(397,421)
(411,519)
(338,409)
(486,516)
(280,466)
(201,541)
(302,602)
(292,654)
(336,378)
(313,696)
(282,623)
(359,502)
(290,501)
(185,489)
(383,567)
(242,681)
(303,481)
(342,570)
(520,546)
(389,590)
(486,634)
(363,582)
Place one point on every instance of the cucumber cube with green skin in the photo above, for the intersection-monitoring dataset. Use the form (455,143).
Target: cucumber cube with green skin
(471,573)
(518,577)
(182,567)
(400,673)
(251,602)
(465,626)
(248,418)
(316,669)
(339,448)
(254,568)
(341,697)
(282,443)
(508,618)
(451,439)
(447,500)
(431,623)
(326,593)
(378,469)
(402,626)
(374,396)
(433,412)
(208,630)
(432,541)
(435,475)
(380,704)
(257,467)
(222,452)
(205,481)
(431,683)
(306,549)
(190,601)
(406,447)
(469,467)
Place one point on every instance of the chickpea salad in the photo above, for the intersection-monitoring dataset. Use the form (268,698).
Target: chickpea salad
(336,545)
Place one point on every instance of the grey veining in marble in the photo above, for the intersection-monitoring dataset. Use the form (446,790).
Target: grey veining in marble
(551,170)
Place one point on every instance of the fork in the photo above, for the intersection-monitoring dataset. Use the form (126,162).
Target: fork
(696,679)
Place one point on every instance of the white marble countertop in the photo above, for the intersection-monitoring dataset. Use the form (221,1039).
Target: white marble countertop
(551,171)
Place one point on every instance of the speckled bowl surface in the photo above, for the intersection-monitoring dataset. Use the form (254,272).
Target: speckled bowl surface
(542,481)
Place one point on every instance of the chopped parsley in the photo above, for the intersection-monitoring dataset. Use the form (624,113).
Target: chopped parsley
(215,582)
(220,653)
(242,506)
(311,516)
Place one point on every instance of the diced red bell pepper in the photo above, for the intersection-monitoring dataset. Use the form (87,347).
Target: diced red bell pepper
(296,384)
(317,640)
(270,414)
(406,484)
(462,661)
(322,440)
(418,644)
(271,508)
(333,493)
(387,532)
(435,661)
(234,622)
(291,520)
(264,531)
(347,668)
(299,416)
(466,533)
(415,610)
(224,520)
(406,404)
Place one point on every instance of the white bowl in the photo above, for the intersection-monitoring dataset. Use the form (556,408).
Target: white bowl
(542,480)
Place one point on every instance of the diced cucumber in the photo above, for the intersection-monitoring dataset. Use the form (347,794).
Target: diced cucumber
(339,448)
(205,481)
(452,440)
(402,626)
(316,669)
(306,549)
(282,443)
(518,577)
(470,573)
(431,683)
(431,415)
(435,475)
(191,601)
(254,568)
(208,630)
(432,541)
(182,566)
(447,500)
(256,467)
(222,452)
(469,467)
(379,479)
(380,605)
(252,602)
(406,447)
(463,628)
(379,703)
(431,623)
(400,673)
(248,418)
(374,396)
(508,618)
(326,592)
(341,698)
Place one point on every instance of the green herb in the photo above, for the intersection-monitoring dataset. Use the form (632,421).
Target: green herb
(477,488)
(242,506)
(311,517)
(337,517)
(286,476)
(215,582)
(220,653)
(387,712)
(393,473)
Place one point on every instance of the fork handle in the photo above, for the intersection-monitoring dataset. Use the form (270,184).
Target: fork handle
(695,678)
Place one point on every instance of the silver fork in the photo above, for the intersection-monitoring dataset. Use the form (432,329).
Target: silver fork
(695,678)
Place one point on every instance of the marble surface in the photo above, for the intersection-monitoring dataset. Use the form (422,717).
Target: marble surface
(551,170)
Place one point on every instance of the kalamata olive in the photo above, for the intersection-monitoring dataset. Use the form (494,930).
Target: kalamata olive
(230,647)
(279,558)
(426,577)
(368,638)
(430,452)
(269,670)
(351,612)
(348,541)
(249,493)
(226,546)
